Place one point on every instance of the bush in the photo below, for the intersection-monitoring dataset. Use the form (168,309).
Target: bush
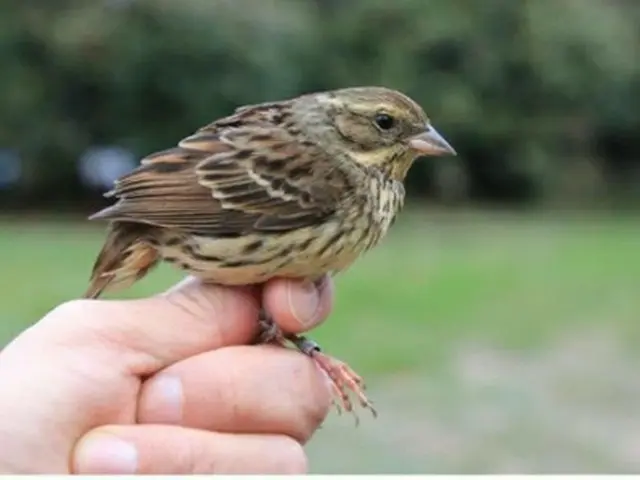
(540,97)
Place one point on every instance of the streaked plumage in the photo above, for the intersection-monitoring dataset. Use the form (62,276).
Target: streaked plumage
(297,188)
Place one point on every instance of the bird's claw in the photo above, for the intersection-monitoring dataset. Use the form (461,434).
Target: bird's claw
(344,380)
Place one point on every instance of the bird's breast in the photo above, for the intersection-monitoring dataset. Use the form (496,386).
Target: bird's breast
(303,253)
(308,252)
(386,207)
(383,208)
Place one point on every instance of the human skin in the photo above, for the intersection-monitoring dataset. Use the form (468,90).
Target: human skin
(165,385)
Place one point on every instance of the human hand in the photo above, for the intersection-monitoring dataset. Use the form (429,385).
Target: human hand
(164,385)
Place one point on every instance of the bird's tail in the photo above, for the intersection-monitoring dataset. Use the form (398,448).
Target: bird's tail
(124,259)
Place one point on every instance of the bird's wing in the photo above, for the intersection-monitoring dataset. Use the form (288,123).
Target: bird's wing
(245,173)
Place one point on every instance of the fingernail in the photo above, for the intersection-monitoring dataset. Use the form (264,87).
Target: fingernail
(102,453)
(304,303)
(163,399)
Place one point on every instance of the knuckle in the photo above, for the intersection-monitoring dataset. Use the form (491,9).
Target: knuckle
(197,303)
(201,304)
(205,303)
(195,453)
(195,458)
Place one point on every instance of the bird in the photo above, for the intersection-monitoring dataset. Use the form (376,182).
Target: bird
(296,188)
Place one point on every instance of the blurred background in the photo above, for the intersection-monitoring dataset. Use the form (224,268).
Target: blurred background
(498,324)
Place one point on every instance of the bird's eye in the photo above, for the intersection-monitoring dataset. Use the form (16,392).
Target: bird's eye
(384,121)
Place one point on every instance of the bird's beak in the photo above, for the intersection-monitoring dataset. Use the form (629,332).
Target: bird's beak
(431,143)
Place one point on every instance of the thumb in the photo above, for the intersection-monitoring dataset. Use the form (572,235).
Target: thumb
(297,306)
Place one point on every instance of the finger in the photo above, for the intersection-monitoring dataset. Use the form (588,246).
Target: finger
(298,306)
(241,390)
(149,334)
(165,449)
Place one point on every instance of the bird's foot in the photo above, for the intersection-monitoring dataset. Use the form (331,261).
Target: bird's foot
(344,380)
(342,377)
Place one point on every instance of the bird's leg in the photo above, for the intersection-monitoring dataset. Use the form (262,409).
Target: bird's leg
(269,331)
(343,379)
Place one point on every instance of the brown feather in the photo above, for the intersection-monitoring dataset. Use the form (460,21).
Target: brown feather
(239,174)
(124,258)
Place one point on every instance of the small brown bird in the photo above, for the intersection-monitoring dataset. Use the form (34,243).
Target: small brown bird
(297,188)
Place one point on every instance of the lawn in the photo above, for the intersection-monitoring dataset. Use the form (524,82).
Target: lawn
(446,289)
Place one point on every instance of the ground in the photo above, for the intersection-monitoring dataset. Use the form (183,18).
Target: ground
(491,342)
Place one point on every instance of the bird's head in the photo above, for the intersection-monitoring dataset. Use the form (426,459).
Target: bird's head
(379,128)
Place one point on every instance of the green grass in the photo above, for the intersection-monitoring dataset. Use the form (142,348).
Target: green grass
(512,280)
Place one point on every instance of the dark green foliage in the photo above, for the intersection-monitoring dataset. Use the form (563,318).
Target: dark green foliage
(540,97)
